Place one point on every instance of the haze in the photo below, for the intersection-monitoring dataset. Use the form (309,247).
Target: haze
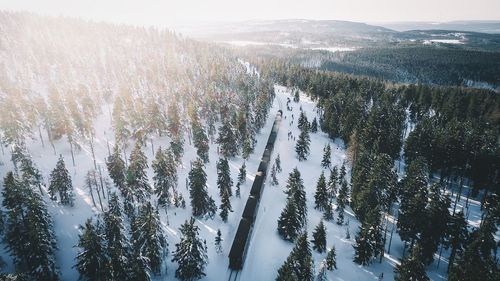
(172,12)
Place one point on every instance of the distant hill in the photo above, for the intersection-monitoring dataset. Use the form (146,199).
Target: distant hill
(472,26)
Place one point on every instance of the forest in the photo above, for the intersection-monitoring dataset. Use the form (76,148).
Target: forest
(127,153)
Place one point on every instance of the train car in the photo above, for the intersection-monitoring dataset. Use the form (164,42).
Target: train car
(258,182)
(251,207)
(240,245)
(263,164)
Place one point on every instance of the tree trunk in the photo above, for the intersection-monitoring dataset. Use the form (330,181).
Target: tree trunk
(92,195)
(72,154)
(92,150)
(102,185)
(459,194)
(98,194)
(41,137)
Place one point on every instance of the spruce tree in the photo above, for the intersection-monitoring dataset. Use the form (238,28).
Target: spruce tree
(137,179)
(302,146)
(148,237)
(319,238)
(201,203)
(116,169)
(92,262)
(458,236)
(274,179)
(327,155)
(331,259)
(411,268)
(117,244)
(227,139)
(295,191)
(314,125)
(332,183)
(165,176)
(342,174)
(224,181)
(225,206)
(299,262)
(321,198)
(342,201)
(369,241)
(200,141)
(190,254)
(289,224)
(60,183)
(242,175)
(303,124)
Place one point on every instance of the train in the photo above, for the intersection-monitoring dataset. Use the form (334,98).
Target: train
(241,240)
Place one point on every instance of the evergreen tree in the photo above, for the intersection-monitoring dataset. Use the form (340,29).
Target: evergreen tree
(218,242)
(92,262)
(296,192)
(224,181)
(148,238)
(321,198)
(411,268)
(165,178)
(60,183)
(190,253)
(242,175)
(225,206)
(322,273)
(117,244)
(200,141)
(299,264)
(302,146)
(139,269)
(289,225)
(137,179)
(342,174)
(201,203)
(303,124)
(327,155)
(369,241)
(227,140)
(319,237)
(314,125)
(331,259)
(238,191)
(342,201)
(458,236)
(116,169)
(332,183)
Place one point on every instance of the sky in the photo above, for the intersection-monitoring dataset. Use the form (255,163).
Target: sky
(173,12)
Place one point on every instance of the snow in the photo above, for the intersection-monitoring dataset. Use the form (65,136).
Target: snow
(335,49)
(267,250)
(443,41)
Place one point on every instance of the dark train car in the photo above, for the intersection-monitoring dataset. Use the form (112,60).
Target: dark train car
(264,163)
(258,182)
(240,245)
(267,153)
(251,207)
(272,139)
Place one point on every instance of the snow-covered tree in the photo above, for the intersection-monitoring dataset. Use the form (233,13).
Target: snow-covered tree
(201,203)
(137,179)
(165,176)
(190,253)
(60,183)
(92,261)
(319,237)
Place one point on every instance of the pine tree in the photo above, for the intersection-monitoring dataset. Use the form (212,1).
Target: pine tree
(30,173)
(342,201)
(190,253)
(116,169)
(331,259)
(314,125)
(303,124)
(137,179)
(302,146)
(296,192)
(201,203)
(321,198)
(60,183)
(342,174)
(224,181)
(238,190)
(277,162)
(165,178)
(92,262)
(411,268)
(28,230)
(458,236)
(289,225)
(242,175)
(327,155)
(227,140)
(225,206)
(148,237)
(369,241)
(218,242)
(319,237)
(332,183)
(299,264)
(117,244)
(139,268)
(200,141)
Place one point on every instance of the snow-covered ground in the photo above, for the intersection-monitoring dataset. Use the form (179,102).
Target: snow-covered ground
(267,250)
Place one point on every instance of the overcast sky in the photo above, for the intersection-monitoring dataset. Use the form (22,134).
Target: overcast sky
(168,12)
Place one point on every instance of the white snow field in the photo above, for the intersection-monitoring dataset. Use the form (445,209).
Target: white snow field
(267,250)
